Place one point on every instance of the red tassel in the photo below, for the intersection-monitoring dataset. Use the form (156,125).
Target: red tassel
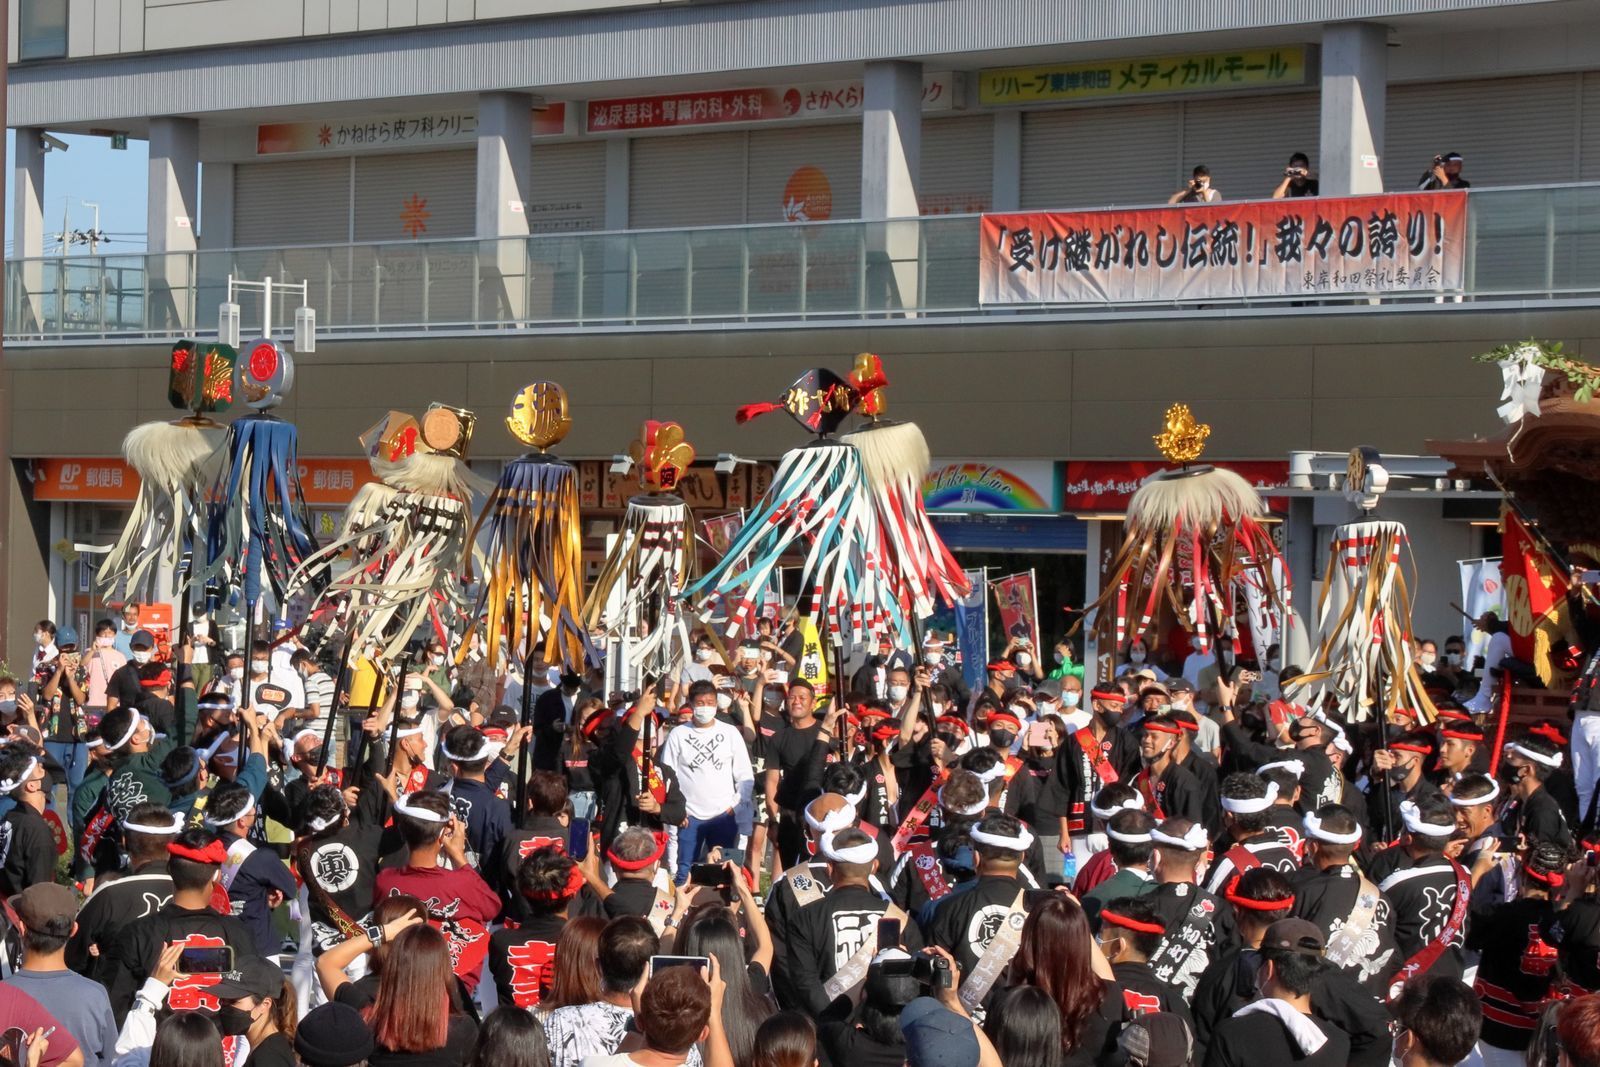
(750,411)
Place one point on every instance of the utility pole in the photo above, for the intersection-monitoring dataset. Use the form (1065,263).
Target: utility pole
(6,474)
(94,233)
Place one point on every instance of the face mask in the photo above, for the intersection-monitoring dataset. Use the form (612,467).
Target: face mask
(437,660)
(1397,775)
(1061,657)
(410,700)
(1072,698)
(1508,774)
(724,700)
(141,656)
(234,1022)
(1001,738)
(260,666)
(1136,656)
(703,714)
(41,639)
(105,642)
(1453,658)
(8,707)
(1426,660)
(771,698)
(897,693)
(938,708)
(933,659)
(1274,664)
(1024,660)
(702,655)
(236,673)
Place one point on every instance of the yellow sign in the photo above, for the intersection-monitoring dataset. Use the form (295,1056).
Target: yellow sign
(1206,72)
(813,662)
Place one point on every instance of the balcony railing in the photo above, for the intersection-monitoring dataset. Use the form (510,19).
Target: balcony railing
(1524,243)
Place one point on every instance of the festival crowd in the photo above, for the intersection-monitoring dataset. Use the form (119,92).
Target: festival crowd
(748,865)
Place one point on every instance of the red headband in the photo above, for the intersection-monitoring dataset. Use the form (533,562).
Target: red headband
(1555,879)
(1454,715)
(1001,665)
(1548,732)
(886,732)
(1410,713)
(638,865)
(1232,893)
(1161,727)
(1110,696)
(1410,746)
(1109,916)
(160,680)
(215,853)
(597,720)
(871,713)
(1005,716)
(1462,735)
(953,723)
(1185,724)
(566,892)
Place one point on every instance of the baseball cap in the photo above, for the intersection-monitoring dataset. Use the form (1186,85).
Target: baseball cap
(1179,685)
(45,904)
(1295,935)
(1159,1039)
(936,1036)
(142,639)
(67,636)
(252,976)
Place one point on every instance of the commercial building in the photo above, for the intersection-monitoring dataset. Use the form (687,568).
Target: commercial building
(673,208)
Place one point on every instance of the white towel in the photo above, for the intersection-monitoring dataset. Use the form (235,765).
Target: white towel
(1306,1033)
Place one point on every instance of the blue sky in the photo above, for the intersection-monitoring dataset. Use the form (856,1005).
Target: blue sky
(91,171)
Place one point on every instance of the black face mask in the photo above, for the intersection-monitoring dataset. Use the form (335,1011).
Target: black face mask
(1397,775)
(233,1021)
(1001,738)
(949,740)
(1508,774)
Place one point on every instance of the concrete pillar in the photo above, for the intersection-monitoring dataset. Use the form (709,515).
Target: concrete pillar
(505,182)
(27,221)
(174,184)
(891,163)
(1355,78)
(1006,192)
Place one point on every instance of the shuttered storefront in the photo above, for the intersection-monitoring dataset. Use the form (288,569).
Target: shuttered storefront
(957,175)
(1098,156)
(568,187)
(302,202)
(421,195)
(804,171)
(1246,141)
(694,180)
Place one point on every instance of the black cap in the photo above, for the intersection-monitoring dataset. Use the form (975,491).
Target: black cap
(252,976)
(333,1035)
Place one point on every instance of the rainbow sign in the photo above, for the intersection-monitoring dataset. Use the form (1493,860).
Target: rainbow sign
(972,486)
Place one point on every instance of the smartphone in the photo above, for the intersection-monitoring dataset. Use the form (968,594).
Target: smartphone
(206,960)
(888,934)
(578,839)
(1038,735)
(735,855)
(662,963)
(780,677)
(711,875)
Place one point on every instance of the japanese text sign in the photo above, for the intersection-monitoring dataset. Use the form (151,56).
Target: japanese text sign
(103,481)
(1206,72)
(1399,243)
(419,130)
(1109,484)
(772,103)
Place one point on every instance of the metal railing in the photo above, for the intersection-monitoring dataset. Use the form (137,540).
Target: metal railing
(1524,243)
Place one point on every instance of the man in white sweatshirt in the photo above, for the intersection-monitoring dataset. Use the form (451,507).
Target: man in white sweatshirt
(712,763)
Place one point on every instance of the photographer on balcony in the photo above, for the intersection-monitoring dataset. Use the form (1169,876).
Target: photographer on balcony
(1199,190)
(1445,173)
(1297,179)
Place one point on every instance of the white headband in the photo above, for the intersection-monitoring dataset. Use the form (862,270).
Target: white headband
(8,784)
(865,852)
(95,742)
(1342,743)
(319,825)
(1472,802)
(977,807)
(858,796)
(175,827)
(409,731)
(997,771)
(1313,827)
(133,728)
(1193,841)
(1551,761)
(487,749)
(1020,843)
(1133,803)
(1251,806)
(1412,817)
(1130,839)
(249,806)
(405,807)
(837,819)
(1295,765)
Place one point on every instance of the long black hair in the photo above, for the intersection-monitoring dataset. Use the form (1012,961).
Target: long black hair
(710,930)
(186,1039)
(1030,1035)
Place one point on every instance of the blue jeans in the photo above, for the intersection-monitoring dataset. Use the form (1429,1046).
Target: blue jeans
(701,836)
(74,759)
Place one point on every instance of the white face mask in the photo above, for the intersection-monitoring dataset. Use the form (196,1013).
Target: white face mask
(938,708)
(1071,698)
(142,656)
(702,655)
(1024,660)
(236,673)
(933,659)
(437,660)
(1453,658)
(1428,659)
(724,700)
(105,642)
(897,693)
(410,699)
(260,666)
(1136,656)
(703,714)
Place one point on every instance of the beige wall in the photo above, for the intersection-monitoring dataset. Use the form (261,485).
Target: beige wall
(1008,389)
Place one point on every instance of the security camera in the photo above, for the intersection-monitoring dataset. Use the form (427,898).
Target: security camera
(48,142)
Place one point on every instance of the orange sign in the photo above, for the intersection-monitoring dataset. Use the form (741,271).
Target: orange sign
(333,481)
(808,196)
(106,481)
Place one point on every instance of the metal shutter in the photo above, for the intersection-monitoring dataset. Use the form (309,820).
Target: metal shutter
(1098,156)
(568,187)
(297,203)
(1589,135)
(1246,141)
(1512,131)
(778,157)
(394,189)
(693,180)
(957,165)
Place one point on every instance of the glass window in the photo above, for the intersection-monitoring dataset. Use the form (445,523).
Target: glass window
(43,29)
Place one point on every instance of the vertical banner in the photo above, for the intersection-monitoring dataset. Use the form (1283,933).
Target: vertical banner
(812,664)
(972,630)
(1536,596)
(1388,243)
(1017,600)
(1482,589)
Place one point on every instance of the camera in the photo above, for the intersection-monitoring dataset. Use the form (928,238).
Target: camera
(1438,161)
(929,968)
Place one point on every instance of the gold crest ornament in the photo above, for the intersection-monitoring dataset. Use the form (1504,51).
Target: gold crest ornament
(661,455)
(539,415)
(393,440)
(447,431)
(1183,440)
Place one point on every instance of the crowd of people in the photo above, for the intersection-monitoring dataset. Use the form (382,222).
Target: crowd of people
(1297,180)
(212,857)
